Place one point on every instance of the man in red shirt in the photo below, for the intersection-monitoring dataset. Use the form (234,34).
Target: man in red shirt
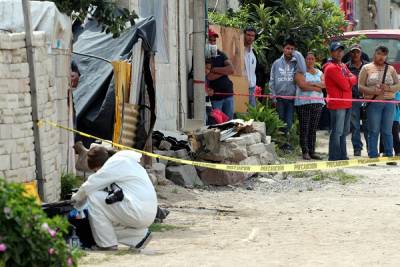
(339,82)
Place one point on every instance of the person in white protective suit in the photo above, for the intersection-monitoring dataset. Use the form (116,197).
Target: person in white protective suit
(125,221)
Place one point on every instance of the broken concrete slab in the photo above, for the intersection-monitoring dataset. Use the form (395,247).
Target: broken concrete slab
(165,145)
(228,152)
(219,177)
(260,127)
(184,175)
(256,149)
(245,139)
(267,158)
(209,139)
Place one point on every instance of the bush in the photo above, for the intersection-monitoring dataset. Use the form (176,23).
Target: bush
(27,236)
(269,116)
(69,182)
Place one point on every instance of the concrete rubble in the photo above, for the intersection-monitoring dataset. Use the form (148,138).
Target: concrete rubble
(249,146)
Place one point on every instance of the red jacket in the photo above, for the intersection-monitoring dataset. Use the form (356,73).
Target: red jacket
(338,81)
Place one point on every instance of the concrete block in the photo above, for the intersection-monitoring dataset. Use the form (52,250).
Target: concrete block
(245,139)
(256,149)
(5,131)
(209,138)
(22,129)
(24,100)
(62,109)
(184,175)
(5,162)
(20,160)
(21,175)
(228,152)
(267,158)
(18,70)
(260,128)
(219,177)
(7,146)
(9,101)
(11,41)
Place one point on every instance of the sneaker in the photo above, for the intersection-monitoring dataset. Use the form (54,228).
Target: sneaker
(142,244)
(315,156)
(357,153)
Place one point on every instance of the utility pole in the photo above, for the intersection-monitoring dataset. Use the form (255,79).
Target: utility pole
(199,58)
(26,7)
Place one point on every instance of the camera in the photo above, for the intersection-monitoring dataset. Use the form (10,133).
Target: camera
(115,194)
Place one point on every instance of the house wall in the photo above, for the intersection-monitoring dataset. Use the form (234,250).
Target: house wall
(17,156)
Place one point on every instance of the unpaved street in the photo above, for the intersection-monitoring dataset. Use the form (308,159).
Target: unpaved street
(291,222)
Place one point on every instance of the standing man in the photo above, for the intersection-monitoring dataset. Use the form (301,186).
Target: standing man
(250,61)
(218,79)
(339,82)
(282,84)
(355,65)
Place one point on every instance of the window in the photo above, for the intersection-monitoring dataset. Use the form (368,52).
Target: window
(368,45)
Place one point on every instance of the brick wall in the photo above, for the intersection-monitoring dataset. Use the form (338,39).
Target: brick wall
(17,157)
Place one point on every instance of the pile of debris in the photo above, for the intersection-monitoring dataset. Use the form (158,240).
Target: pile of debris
(235,142)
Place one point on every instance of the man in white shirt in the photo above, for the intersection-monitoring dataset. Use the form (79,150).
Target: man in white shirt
(250,62)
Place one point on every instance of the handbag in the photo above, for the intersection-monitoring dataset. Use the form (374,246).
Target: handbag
(364,105)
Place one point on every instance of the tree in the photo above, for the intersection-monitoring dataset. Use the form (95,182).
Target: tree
(311,23)
(112,18)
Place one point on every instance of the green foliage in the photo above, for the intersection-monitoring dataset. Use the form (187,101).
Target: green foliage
(69,182)
(106,12)
(310,23)
(29,236)
(267,115)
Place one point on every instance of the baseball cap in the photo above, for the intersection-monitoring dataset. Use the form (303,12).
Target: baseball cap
(355,47)
(335,46)
(212,33)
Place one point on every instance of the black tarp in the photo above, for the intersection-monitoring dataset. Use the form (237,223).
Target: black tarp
(94,98)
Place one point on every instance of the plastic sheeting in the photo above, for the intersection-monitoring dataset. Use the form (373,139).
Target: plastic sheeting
(45,17)
(94,98)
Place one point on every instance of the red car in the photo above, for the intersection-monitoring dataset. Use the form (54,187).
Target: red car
(388,38)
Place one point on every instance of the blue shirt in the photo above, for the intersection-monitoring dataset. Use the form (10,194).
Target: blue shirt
(310,78)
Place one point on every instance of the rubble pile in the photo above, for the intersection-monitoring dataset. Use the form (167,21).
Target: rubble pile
(235,142)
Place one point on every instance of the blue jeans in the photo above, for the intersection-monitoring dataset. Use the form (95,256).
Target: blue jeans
(355,127)
(340,127)
(252,98)
(285,108)
(380,120)
(225,105)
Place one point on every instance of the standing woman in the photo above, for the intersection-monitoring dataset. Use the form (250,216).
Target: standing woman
(309,110)
(376,83)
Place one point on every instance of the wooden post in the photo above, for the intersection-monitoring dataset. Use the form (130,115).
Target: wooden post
(26,7)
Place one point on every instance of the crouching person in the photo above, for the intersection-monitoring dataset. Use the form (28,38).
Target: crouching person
(123,219)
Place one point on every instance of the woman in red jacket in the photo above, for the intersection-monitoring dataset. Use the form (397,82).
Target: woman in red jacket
(339,82)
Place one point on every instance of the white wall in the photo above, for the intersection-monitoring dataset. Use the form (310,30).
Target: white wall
(17,156)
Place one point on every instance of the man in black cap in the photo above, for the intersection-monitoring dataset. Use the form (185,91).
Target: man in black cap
(355,65)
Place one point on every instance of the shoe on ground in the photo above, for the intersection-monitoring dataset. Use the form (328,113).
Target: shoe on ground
(142,244)
(357,153)
(315,156)
(306,156)
(391,163)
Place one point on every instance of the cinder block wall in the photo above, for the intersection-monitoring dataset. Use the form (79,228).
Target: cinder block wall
(17,156)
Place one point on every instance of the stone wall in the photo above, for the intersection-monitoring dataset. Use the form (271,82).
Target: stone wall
(17,156)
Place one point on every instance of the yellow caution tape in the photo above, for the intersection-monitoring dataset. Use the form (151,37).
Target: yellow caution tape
(293,167)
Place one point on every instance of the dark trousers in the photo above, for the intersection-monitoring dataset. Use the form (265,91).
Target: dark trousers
(309,116)
(396,139)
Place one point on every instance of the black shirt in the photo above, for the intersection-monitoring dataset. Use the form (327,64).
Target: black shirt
(356,71)
(222,84)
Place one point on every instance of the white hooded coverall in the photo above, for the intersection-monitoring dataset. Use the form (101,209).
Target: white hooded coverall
(124,222)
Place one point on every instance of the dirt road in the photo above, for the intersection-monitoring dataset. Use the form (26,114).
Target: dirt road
(312,223)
